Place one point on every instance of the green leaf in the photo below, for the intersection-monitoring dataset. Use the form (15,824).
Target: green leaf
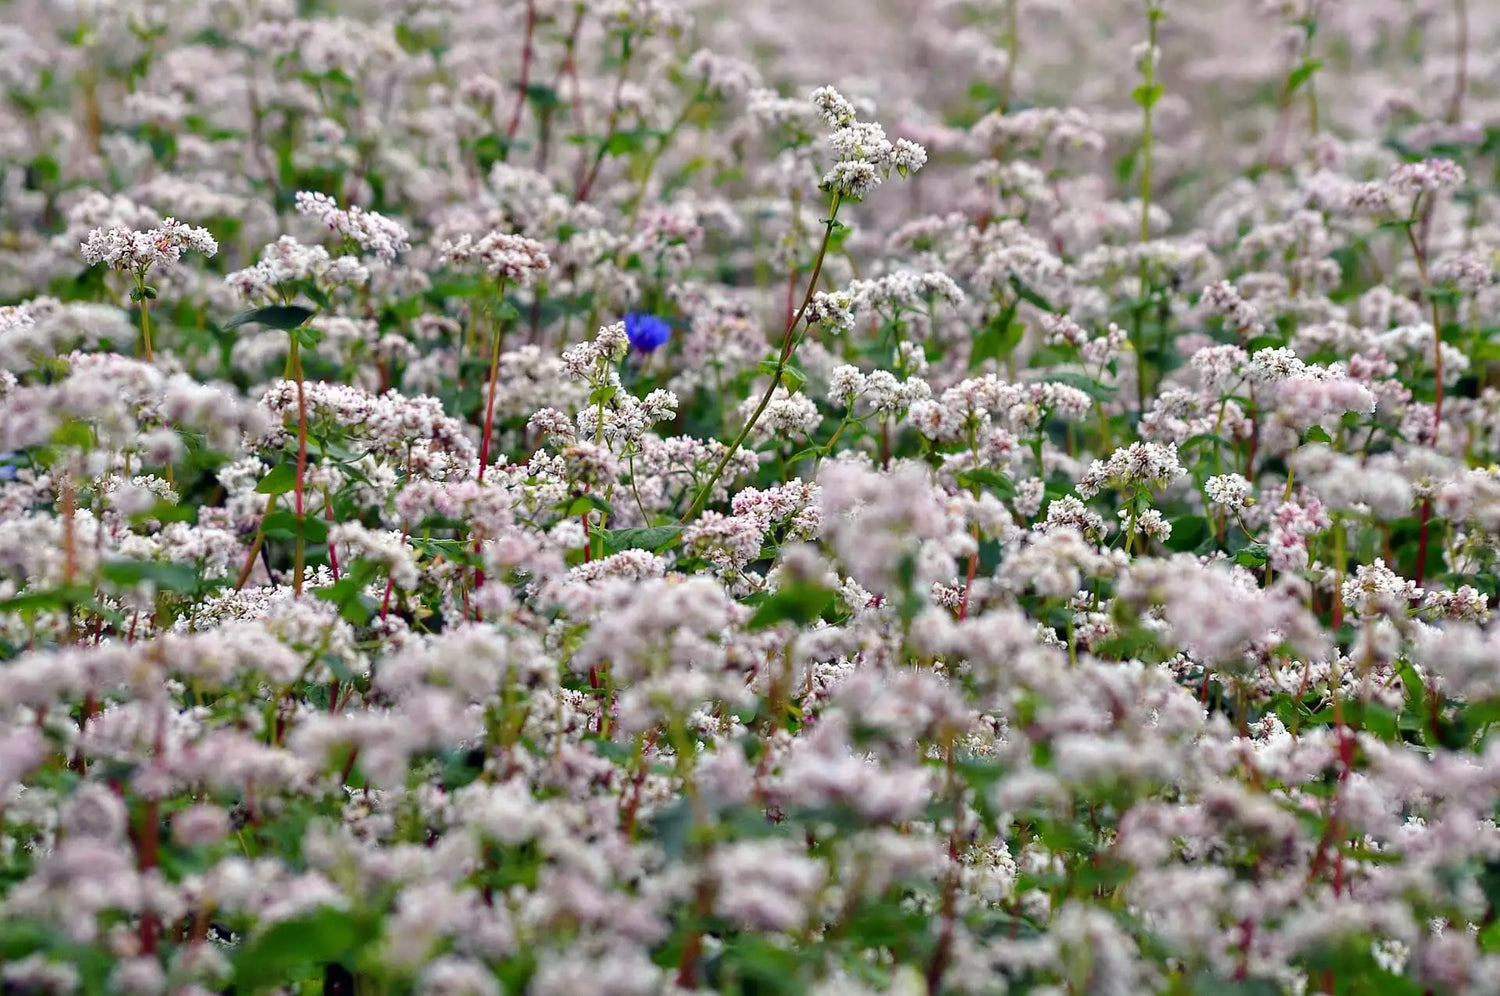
(53,598)
(1030,296)
(581,504)
(989,479)
(165,512)
(293,948)
(460,767)
(670,827)
(277,316)
(1187,532)
(283,524)
(306,336)
(168,577)
(1147,96)
(1253,555)
(348,594)
(543,96)
(792,378)
(997,340)
(281,479)
(653,538)
(797,602)
(1302,74)
(838,234)
(1088,385)
(1317,434)
(626,142)
(1208,984)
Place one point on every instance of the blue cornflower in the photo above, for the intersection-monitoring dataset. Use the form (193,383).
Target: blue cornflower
(7,469)
(646,331)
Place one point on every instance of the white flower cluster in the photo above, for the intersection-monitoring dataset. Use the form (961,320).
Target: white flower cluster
(121,248)
(286,262)
(512,258)
(369,230)
(1228,491)
(865,156)
(1138,466)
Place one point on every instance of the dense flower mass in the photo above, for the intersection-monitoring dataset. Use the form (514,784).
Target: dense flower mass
(665,498)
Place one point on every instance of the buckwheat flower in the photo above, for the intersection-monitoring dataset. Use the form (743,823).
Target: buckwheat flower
(1468,272)
(449,975)
(853,178)
(833,106)
(1029,496)
(908,157)
(645,17)
(1267,366)
(1070,513)
(1464,603)
(765,884)
(1228,491)
(1375,589)
(646,332)
(1217,366)
(612,341)
(1371,199)
(36,974)
(935,420)
(200,825)
(1149,521)
(92,810)
(722,76)
(512,258)
(1225,301)
(142,976)
(1433,176)
(1061,329)
(1149,465)
(788,415)
(845,384)
(137,252)
(366,229)
(21,750)
(1322,398)
(833,311)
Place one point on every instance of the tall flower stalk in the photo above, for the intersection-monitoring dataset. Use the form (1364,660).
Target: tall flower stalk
(865,158)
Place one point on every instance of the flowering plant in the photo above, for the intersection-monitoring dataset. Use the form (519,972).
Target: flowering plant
(1042,543)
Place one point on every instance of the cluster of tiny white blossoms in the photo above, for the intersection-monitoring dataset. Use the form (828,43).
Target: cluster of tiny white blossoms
(865,156)
(120,248)
(513,258)
(367,229)
(558,520)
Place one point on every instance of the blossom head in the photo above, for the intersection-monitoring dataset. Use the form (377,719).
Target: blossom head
(647,332)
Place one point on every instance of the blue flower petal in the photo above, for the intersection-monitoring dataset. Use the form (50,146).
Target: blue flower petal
(647,332)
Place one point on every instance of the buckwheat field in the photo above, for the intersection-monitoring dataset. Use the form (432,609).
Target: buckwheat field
(667,497)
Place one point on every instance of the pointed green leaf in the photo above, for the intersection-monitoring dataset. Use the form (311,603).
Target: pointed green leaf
(277,316)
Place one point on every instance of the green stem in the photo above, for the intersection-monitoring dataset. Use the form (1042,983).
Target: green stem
(301,547)
(140,292)
(649,167)
(788,346)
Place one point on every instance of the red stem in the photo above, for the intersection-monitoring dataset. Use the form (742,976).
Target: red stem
(525,83)
(963,606)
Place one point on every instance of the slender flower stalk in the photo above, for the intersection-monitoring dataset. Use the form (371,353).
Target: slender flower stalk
(300,552)
(789,341)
